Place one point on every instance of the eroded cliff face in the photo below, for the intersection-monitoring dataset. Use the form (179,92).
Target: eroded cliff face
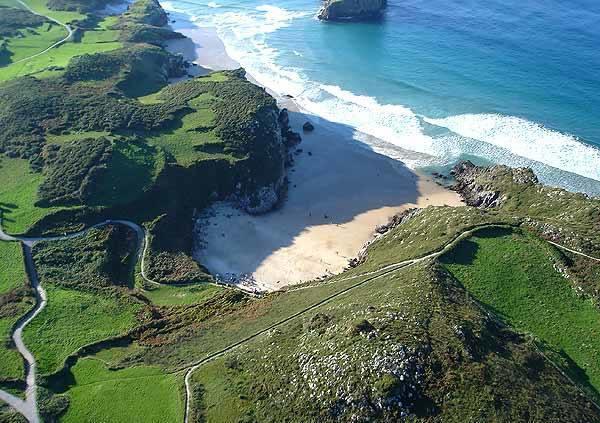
(351,10)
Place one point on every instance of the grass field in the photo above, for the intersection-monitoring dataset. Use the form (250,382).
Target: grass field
(11,362)
(12,269)
(76,136)
(195,138)
(514,275)
(73,319)
(35,41)
(51,63)
(18,193)
(12,275)
(135,394)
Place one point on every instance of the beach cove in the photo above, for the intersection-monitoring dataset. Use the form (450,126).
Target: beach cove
(340,190)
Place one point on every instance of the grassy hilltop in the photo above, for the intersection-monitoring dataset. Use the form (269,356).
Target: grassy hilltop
(500,326)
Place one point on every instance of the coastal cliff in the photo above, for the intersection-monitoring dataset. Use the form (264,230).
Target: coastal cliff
(351,10)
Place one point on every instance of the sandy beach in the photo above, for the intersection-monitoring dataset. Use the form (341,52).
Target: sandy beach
(339,191)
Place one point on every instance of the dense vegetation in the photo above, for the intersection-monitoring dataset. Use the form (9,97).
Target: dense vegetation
(78,5)
(167,261)
(12,20)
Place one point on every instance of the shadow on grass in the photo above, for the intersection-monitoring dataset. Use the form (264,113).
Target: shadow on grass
(466,251)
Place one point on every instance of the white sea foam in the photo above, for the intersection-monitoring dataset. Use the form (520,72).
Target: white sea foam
(213,5)
(529,140)
(393,128)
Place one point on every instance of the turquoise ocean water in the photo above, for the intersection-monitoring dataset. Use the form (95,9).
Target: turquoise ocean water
(503,81)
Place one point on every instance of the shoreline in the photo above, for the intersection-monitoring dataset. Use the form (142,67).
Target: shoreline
(339,192)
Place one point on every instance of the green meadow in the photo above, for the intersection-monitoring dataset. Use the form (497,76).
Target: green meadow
(133,394)
(515,276)
(12,277)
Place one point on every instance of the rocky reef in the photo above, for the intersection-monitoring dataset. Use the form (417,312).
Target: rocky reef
(352,10)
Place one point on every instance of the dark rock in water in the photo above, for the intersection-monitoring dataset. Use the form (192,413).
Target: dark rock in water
(284,120)
(288,96)
(352,10)
(292,138)
(307,127)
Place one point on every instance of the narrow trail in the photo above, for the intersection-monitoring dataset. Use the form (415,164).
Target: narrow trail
(58,43)
(29,408)
(372,275)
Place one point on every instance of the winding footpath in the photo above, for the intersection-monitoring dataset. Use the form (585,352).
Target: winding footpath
(29,407)
(372,275)
(58,43)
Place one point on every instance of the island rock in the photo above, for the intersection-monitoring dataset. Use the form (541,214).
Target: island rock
(351,10)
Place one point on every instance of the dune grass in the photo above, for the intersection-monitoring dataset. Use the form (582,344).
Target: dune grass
(514,275)
(134,394)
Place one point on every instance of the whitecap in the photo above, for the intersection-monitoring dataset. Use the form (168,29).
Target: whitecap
(529,140)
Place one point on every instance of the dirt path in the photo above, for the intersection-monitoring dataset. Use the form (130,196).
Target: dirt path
(372,275)
(58,43)
(29,407)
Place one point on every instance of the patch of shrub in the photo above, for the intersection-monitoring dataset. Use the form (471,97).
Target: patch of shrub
(72,174)
(169,260)
(12,20)
(97,262)
(82,6)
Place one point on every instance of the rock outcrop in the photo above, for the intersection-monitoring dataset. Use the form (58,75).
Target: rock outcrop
(352,10)
(474,182)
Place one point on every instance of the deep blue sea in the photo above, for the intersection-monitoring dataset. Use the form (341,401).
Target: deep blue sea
(504,81)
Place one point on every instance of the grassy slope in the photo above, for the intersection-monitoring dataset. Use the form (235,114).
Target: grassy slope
(185,143)
(83,306)
(98,40)
(514,275)
(165,295)
(73,319)
(320,367)
(18,193)
(34,41)
(134,394)
(12,272)
(12,275)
